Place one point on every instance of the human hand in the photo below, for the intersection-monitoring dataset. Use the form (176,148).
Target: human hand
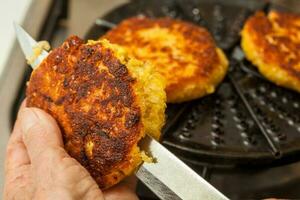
(38,167)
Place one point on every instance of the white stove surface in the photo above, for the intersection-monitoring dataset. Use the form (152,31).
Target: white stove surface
(11,11)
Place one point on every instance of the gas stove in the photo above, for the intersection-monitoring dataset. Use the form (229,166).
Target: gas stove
(233,138)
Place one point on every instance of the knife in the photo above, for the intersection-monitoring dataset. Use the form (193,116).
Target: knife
(168,177)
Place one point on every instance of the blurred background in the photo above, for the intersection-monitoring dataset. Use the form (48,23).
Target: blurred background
(54,20)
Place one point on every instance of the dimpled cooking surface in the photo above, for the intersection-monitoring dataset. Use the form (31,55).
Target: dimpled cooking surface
(218,129)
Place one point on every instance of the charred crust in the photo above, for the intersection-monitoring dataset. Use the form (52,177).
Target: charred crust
(87,51)
(131,119)
(47,98)
(60,100)
(114,66)
(83,158)
(71,42)
(90,94)
(58,59)
(65,83)
(102,133)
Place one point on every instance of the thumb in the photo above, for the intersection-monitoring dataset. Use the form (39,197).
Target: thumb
(40,132)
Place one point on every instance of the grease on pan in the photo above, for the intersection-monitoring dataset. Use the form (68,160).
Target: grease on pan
(272,43)
(104,103)
(184,53)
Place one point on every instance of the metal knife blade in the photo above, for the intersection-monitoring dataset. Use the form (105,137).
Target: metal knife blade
(27,44)
(168,177)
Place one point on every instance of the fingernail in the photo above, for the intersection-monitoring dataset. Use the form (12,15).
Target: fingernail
(28,119)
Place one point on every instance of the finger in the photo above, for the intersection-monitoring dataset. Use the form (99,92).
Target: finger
(16,153)
(124,190)
(40,133)
(17,133)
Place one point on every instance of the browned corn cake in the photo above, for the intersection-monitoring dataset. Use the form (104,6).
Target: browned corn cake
(185,54)
(272,43)
(99,99)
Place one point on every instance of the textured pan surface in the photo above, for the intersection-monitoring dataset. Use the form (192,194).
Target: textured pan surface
(218,130)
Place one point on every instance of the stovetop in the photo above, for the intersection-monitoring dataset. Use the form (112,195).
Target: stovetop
(245,182)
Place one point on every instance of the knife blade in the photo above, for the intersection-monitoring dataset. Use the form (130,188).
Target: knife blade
(168,177)
(27,44)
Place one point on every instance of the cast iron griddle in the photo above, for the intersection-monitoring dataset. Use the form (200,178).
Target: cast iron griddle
(248,120)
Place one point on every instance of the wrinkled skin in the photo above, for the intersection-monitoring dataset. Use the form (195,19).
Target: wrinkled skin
(38,167)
